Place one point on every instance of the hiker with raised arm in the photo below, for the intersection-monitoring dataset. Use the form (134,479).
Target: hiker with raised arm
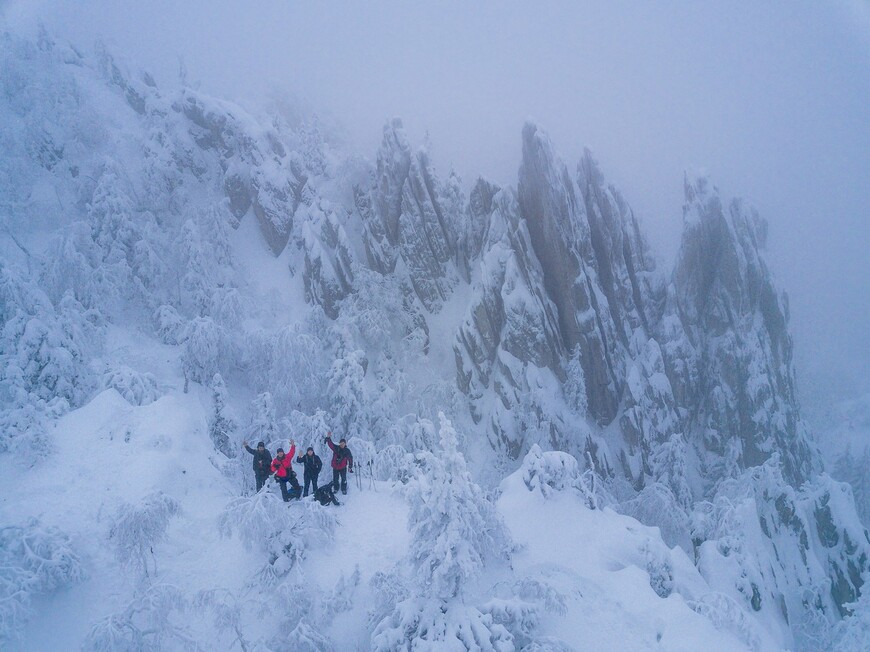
(282,467)
(262,462)
(311,466)
(342,462)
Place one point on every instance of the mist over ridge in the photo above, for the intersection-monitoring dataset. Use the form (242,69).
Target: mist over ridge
(186,268)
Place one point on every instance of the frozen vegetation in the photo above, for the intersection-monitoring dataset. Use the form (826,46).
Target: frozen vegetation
(557,444)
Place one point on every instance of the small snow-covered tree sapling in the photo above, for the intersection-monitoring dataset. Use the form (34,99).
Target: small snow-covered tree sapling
(137,529)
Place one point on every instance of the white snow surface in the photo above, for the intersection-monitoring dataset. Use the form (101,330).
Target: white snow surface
(596,563)
(134,294)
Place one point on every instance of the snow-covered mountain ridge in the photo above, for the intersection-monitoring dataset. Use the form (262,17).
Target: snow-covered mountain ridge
(164,246)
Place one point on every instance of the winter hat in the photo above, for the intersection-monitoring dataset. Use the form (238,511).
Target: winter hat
(280,450)
(261,444)
(310,449)
(342,441)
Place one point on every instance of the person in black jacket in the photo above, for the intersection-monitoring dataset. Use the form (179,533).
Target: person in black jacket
(311,465)
(325,495)
(262,463)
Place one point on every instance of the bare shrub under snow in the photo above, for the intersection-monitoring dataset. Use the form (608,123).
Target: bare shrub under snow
(137,529)
(34,560)
(432,625)
(153,620)
(264,521)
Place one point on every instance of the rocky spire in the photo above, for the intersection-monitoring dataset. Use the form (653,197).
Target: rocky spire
(555,212)
(405,219)
(734,373)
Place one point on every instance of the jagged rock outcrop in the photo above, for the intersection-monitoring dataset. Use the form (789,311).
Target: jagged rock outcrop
(328,272)
(407,217)
(555,213)
(570,337)
(626,268)
(510,334)
(733,369)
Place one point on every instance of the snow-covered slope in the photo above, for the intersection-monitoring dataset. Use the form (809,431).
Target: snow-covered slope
(179,274)
(591,579)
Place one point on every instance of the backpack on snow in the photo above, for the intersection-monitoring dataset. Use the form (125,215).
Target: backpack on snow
(325,496)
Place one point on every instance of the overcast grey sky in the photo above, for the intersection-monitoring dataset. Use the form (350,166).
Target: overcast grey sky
(770,98)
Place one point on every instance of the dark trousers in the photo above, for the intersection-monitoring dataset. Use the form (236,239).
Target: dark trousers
(339,474)
(282,482)
(261,479)
(310,480)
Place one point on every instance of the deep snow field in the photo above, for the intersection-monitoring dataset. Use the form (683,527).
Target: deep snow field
(177,275)
(596,564)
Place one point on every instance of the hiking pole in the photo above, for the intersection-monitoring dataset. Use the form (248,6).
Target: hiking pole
(371,476)
(359,480)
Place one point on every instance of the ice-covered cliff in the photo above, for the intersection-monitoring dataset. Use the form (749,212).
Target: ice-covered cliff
(306,289)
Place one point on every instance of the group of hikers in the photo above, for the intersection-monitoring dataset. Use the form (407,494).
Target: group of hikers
(281,468)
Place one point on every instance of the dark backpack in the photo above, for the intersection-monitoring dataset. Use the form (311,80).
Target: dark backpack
(325,495)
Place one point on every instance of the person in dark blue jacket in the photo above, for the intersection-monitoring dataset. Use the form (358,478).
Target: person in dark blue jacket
(311,464)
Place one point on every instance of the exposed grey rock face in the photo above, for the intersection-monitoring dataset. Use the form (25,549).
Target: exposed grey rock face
(258,173)
(275,203)
(626,268)
(328,273)
(734,373)
(406,219)
(682,384)
(477,215)
(510,331)
(558,226)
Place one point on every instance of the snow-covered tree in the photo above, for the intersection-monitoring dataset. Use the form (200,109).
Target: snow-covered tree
(283,535)
(221,426)
(225,610)
(851,466)
(423,624)
(575,383)
(294,368)
(170,326)
(44,352)
(455,529)
(656,505)
(669,467)
(208,266)
(205,350)
(136,530)
(262,425)
(853,632)
(136,388)
(346,393)
(550,472)
(112,256)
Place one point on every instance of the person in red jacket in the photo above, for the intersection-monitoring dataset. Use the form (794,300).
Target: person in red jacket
(282,467)
(342,462)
